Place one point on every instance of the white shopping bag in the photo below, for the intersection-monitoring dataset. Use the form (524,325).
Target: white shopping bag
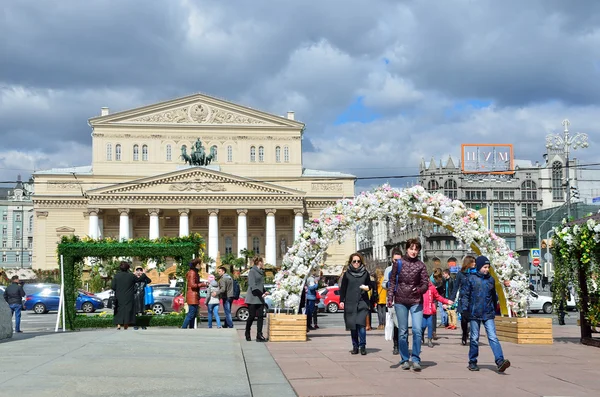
(389,325)
(392,311)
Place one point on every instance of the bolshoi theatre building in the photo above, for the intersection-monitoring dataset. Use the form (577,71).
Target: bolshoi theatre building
(250,190)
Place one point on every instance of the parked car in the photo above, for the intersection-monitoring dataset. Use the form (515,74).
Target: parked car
(163,298)
(331,299)
(104,295)
(321,308)
(48,299)
(239,308)
(538,302)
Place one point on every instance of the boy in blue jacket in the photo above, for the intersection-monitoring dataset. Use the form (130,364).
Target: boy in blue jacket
(479,300)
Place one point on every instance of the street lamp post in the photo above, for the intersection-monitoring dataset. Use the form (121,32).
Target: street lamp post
(565,142)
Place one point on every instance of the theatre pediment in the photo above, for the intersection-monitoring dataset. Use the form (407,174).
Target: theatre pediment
(196,109)
(195,180)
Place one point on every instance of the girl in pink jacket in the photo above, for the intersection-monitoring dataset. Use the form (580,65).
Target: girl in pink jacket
(429,308)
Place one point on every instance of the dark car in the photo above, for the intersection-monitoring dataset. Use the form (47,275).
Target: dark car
(48,300)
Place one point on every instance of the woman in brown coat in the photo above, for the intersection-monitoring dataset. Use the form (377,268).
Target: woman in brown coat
(192,295)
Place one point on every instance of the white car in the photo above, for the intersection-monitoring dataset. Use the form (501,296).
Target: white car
(104,295)
(541,302)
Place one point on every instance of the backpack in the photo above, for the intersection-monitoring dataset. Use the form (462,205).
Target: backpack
(236,289)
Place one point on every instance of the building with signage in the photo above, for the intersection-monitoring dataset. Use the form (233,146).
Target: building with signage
(251,191)
(507,191)
(16,212)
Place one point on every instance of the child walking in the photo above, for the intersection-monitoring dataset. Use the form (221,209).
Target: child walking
(479,301)
(213,303)
(430,299)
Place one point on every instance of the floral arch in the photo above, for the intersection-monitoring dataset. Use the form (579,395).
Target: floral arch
(401,207)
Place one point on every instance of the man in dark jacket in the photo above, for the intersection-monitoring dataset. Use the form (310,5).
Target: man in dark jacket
(226,294)
(13,295)
(479,300)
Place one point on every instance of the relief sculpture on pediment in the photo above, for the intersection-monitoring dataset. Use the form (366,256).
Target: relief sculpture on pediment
(198,185)
(198,113)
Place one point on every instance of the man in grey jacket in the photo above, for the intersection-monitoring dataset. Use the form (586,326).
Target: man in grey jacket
(255,298)
(226,293)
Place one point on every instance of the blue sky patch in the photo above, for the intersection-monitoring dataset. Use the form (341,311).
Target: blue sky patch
(467,105)
(357,112)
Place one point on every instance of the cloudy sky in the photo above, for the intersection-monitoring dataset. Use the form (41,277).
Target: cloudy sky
(379,84)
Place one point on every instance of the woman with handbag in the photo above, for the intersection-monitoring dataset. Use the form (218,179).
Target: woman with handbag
(192,295)
(354,292)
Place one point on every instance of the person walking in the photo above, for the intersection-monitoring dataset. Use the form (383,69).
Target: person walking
(192,294)
(408,282)
(447,287)
(430,300)
(255,298)
(479,299)
(213,301)
(312,285)
(13,295)
(123,284)
(381,299)
(396,256)
(354,290)
(436,279)
(227,294)
(139,303)
(468,266)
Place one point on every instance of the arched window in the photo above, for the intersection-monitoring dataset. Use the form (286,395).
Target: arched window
(118,152)
(557,184)
(261,154)
(278,154)
(213,151)
(252,154)
(145,153)
(169,153)
(256,245)
(229,154)
(529,190)
(432,185)
(136,152)
(450,189)
(286,154)
(109,152)
(228,245)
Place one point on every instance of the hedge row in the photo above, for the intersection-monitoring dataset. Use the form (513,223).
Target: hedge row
(106,321)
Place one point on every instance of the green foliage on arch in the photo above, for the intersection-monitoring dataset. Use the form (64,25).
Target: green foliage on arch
(74,250)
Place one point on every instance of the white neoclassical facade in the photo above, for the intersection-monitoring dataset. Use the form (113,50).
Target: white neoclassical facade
(255,193)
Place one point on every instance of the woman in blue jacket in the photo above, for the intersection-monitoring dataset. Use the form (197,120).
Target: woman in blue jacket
(461,278)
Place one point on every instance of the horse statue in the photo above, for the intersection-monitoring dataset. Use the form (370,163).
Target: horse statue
(198,155)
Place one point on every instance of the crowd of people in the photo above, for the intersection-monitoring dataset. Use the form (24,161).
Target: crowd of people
(405,289)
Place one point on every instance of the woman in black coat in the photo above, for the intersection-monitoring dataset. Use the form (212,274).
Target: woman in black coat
(123,285)
(141,280)
(354,292)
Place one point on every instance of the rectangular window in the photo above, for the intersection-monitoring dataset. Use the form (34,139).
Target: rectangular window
(4,216)
(448,244)
(4,231)
(529,242)
(229,154)
(169,153)
(529,210)
(476,195)
(529,226)
(30,242)
(30,258)
(3,257)
(504,210)
(511,242)
(504,226)
(18,258)
(17,243)
(504,194)
(18,217)
(4,243)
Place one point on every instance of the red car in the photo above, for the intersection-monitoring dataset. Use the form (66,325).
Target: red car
(239,308)
(331,299)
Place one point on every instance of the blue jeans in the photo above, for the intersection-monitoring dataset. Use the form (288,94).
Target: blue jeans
(190,316)
(213,310)
(490,330)
(443,314)
(227,310)
(416,312)
(359,336)
(428,323)
(16,309)
(310,309)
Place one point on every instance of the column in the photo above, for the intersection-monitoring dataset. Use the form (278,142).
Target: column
(93,226)
(184,222)
(100,228)
(298,222)
(131,226)
(154,229)
(124,224)
(242,234)
(271,243)
(213,233)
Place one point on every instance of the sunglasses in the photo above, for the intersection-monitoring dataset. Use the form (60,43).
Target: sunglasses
(356,261)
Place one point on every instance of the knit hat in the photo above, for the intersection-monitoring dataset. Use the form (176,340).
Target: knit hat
(481,261)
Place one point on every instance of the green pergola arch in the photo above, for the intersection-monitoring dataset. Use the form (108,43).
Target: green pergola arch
(74,249)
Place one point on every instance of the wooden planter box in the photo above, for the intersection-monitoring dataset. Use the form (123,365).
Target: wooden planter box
(537,331)
(287,328)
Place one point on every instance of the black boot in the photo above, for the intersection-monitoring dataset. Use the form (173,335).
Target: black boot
(260,338)
(395,350)
(464,340)
(354,350)
(248,336)
(363,350)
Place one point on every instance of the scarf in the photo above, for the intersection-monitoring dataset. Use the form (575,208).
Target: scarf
(357,273)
